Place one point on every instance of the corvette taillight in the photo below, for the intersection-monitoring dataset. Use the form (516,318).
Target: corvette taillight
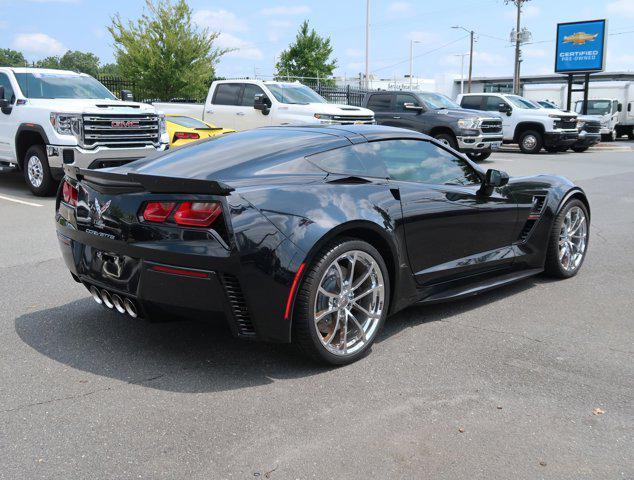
(158,212)
(69,194)
(189,214)
(186,136)
(197,214)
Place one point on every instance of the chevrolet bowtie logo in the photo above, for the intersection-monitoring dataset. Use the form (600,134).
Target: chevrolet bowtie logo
(580,38)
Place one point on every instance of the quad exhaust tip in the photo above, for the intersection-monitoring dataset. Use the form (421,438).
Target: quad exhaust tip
(118,304)
(106,299)
(96,296)
(130,308)
(114,301)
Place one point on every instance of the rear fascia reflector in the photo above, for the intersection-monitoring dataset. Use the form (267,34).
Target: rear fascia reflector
(291,294)
(184,272)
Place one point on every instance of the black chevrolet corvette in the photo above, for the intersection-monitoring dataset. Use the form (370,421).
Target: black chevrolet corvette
(311,235)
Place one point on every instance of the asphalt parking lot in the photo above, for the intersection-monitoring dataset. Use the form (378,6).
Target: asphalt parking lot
(511,384)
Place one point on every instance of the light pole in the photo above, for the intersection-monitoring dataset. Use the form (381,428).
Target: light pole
(461,55)
(519,34)
(471,34)
(411,60)
(367,44)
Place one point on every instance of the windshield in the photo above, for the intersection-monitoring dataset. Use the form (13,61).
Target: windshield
(61,85)
(188,122)
(595,107)
(436,100)
(547,104)
(294,94)
(521,102)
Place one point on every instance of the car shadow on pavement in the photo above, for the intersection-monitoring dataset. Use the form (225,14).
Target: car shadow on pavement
(192,356)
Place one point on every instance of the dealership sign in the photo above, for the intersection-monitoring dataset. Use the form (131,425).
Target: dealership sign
(581,47)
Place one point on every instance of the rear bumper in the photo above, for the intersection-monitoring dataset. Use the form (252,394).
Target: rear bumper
(560,139)
(100,157)
(181,281)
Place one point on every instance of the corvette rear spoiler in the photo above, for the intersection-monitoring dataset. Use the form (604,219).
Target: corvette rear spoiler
(151,183)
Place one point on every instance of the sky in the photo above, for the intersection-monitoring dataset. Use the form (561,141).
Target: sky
(260,29)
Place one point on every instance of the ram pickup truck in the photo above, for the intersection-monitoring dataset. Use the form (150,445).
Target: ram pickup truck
(52,118)
(472,132)
(246,104)
(527,123)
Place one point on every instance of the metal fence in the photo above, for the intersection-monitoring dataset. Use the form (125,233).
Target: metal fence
(345,95)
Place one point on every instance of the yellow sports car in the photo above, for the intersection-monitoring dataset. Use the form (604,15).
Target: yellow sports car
(183,130)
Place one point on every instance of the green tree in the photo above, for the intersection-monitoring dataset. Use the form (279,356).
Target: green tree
(76,61)
(309,56)
(164,53)
(110,69)
(11,58)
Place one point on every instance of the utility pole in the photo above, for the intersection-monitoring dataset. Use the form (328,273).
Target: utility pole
(471,35)
(411,60)
(519,35)
(367,44)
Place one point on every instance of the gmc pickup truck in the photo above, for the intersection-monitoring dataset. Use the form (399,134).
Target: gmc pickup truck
(52,118)
(246,104)
(474,133)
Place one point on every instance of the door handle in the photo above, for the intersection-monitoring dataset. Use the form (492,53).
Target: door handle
(209,111)
(396,116)
(241,114)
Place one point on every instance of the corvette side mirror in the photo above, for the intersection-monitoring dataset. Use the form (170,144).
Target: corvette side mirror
(493,179)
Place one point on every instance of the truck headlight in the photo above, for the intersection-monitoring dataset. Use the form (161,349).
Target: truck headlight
(162,124)
(325,119)
(469,123)
(67,123)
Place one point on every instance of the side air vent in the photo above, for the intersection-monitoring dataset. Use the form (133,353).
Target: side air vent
(238,305)
(537,207)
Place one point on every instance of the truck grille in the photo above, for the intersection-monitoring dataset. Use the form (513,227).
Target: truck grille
(592,127)
(120,130)
(350,119)
(491,126)
(566,123)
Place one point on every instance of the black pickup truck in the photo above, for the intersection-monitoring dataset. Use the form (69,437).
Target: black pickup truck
(472,132)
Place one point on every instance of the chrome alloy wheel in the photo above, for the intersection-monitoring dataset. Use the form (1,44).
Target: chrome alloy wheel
(529,142)
(573,239)
(349,303)
(35,171)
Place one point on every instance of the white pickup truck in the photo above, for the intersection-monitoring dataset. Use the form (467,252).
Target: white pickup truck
(246,104)
(525,122)
(49,118)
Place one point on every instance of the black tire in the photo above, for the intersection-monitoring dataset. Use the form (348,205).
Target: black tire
(447,139)
(552,266)
(609,137)
(304,333)
(479,156)
(531,147)
(40,180)
(552,149)
(579,149)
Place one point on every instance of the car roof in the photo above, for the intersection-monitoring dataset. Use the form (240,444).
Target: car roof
(241,154)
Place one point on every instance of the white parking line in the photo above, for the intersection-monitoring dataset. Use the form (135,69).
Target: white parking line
(23,202)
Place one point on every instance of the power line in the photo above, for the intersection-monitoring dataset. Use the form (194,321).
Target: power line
(422,54)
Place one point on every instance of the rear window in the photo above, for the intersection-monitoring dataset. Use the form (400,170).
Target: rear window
(227,94)
(380,102)
(227,156)
(472,101)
